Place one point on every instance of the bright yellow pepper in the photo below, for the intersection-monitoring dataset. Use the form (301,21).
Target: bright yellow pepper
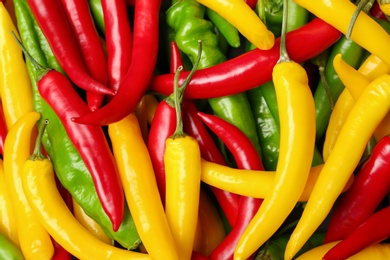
(339,13)
(252,183)
(34,240)
(378,251)
(46,201)
(15,85)
(88,223)
(384,5)
(247,22)
(373,67)
(368,111)
(8,224)
(140,187)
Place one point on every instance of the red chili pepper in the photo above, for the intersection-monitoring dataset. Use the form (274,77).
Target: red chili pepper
(176,60)
(252,3)
(370,186)
(252,68)
(3,130)
(60,253)
(143,61)
(89,44)
(246,157)
(374,230)
(118,36)
(89,140)
(52,20)
(194,126)
(376,11)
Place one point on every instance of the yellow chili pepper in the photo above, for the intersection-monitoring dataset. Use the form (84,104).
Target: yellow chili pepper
(8,224)
(140,187)
(373,67)
(297,140)
(252,183)
(378,251)
(339,13)
(368,111)
(384,5)
(15,86)
(16,151)
(39,184)
(247,22)
(89,224)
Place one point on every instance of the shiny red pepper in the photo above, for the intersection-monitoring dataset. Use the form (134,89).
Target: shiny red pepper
(252,68)
(374,230)
(369,188)
(246,157)
(3,130)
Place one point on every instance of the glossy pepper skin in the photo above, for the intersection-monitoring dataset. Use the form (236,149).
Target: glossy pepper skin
(253,68)
(240,15)
(69,167)
(339,14)
(140,187)
(17,150)
(8,250)
(373,230)
(370,186)
(368,111)
(15,87)
(39,183)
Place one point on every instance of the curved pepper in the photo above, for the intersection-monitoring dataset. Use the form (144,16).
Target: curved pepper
(140,187)
(17,150)
(42,194)
(15,86)
(368,111)
(252,68)
(8,250)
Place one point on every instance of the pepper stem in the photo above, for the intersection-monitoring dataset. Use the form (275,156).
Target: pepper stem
(178,92)
(284,57)
(39,67)
(362,5)
(38,154)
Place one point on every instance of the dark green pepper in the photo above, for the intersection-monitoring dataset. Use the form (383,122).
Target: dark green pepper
(8,250)
(69,167)
(186,17)
(97,14)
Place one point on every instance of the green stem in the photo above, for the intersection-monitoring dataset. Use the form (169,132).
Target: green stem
(284,57)
(362,5)
(38,154)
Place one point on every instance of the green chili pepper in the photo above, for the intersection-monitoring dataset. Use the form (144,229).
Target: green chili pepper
(296,16)
(8,250)
(97,14)
(70,168)
(186,17)
(273,10)
(230,32)
(352,54)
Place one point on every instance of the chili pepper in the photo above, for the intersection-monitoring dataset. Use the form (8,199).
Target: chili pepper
(15,87)
(368,111)
(339,14)
(88,42)
(373,67)
(377,12)
(89,140)
(89,224)
(370,186)
(246,157)
(16,151)
(372,231)
(8,223)
(253,68)
(69,166)
(3,129)
(274,249)
(182,171)
(118,36)
(97,14)
(145,111)
(194,126)
(252,183)
(212,230)
(136,81)
(353,54)
(60,253)
(384,5)
(230,32)
(291,84)
(39,184)
(53,22)
(271,13)
(8,250)
(239,14)
(140,186)
(297,16)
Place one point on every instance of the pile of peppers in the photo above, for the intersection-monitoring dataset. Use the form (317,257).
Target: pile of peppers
(194,129)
